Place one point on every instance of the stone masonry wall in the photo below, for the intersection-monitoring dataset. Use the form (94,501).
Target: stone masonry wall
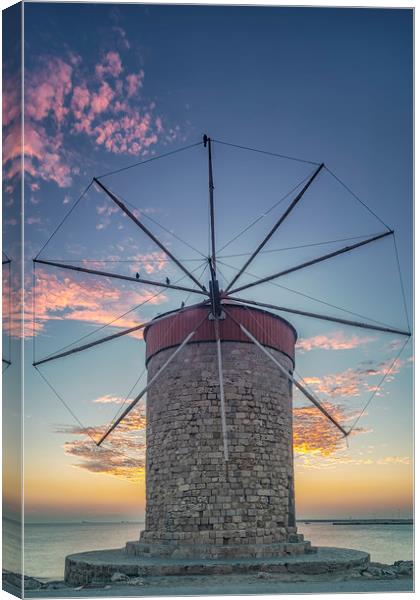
(191,497)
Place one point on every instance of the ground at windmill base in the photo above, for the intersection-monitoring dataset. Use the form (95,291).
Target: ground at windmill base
(327,573)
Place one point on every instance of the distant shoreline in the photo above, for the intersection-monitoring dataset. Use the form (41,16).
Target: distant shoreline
(334,521)
(359,521)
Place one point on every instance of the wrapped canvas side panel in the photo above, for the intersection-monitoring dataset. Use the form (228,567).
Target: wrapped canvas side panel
(12,293)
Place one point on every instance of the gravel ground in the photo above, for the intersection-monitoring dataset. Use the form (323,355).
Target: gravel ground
(376,578)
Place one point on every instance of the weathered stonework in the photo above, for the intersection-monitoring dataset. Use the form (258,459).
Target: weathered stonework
(205,516)
(102,565)
(195,504)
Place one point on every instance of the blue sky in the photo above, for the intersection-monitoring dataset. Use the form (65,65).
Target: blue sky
(324,85)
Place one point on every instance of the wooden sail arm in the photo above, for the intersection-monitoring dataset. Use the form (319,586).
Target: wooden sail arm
(151,382)
(170,286)
(312,262)
(108,338)
(143,227)
(305,313)
(222,389)
(290,377)
(276,226)
(207,142)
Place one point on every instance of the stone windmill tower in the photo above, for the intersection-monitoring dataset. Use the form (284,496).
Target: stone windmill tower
(219,462)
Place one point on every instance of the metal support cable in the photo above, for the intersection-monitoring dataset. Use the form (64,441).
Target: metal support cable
(264,214)
(297,247)
(276,226)
(288,289)
(401,282)
(357,198)
(66,216)
(33,309)
(165,337)
(69,409)
(153,379)
(274,154)
(378,387)
(200,276)
(312,262)
(289,376)
(124,402)
(145,230)
(117,318)
(146,216)
(148,160)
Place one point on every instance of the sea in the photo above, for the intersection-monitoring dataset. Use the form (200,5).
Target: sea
(47,544)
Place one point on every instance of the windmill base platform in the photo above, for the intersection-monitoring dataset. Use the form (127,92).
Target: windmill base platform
(101,565)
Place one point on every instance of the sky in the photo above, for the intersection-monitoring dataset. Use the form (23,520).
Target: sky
(136,82)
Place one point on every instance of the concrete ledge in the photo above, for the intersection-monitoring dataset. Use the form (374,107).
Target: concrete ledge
(81,569)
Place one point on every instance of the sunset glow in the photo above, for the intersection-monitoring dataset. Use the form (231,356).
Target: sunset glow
(97,105)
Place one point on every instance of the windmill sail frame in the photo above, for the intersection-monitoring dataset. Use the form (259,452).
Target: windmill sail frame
(214,298)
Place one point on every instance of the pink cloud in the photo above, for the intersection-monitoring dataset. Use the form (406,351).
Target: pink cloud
(121,455)
(334,341)
(314,434)
(64,298)
(65,98)
(111,65)
(11,105)
(123,37)
(47,88)
(159,125)
(101,99)
(108,399)
(150,263)
(80,100)
(134,82)
(353,382)
(43,157)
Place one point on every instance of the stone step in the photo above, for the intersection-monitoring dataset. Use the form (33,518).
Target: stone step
(101,565)
(215,551)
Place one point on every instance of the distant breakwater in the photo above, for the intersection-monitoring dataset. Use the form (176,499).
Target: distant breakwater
(375,522)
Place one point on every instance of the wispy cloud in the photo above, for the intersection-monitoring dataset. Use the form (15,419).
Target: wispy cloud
(336,340)
(58,298)
(316,442)
(108,399)
(354,382)
(69,100)
(121,455)
(314,434)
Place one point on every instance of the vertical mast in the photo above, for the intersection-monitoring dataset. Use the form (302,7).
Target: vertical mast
(207,142)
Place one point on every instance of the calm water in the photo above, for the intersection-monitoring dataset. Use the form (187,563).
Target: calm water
(47,545)
(385,543)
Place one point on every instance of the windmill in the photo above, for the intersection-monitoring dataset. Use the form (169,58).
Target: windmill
(222,325)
